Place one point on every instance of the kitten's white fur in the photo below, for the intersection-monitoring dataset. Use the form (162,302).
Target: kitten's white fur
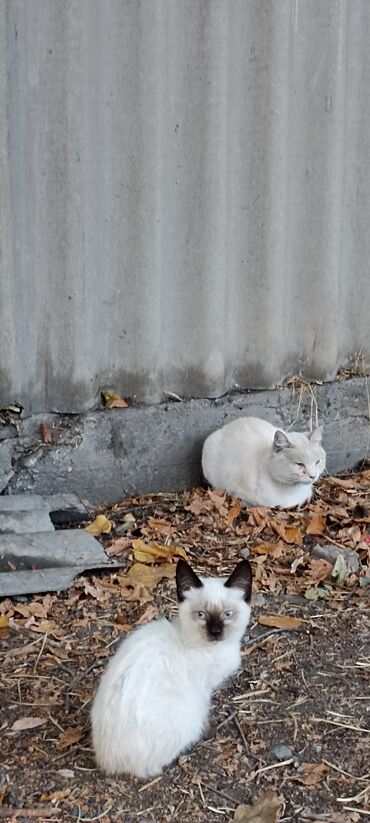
(153,700)
(253,460)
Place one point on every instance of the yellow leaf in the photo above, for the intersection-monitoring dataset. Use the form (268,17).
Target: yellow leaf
(280,621)
(4,622)
(113,401)
(101,525)
(147,576)
(155,552)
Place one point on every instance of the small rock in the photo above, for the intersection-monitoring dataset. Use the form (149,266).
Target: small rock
(258,599)
(66,773)
(281,752)
(330,553)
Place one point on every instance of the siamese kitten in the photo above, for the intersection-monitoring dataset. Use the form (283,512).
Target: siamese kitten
(262,465)
(153,700)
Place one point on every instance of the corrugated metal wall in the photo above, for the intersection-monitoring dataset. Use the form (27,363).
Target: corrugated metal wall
(184,195)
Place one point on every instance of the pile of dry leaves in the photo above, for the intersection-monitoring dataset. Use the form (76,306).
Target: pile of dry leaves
(291,733)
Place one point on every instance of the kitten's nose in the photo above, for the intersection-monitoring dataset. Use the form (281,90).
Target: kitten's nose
(215,631)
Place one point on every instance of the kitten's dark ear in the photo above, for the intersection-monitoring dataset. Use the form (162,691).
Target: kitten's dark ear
(280,441)
(316,435)
(186,579)
(241,578)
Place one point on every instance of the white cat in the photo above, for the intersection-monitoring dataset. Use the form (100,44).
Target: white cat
(262,465)
(153,700)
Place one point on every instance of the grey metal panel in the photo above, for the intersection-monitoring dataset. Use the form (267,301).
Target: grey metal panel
(184,195)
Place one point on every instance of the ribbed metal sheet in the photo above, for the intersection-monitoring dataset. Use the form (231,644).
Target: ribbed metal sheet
(184,195)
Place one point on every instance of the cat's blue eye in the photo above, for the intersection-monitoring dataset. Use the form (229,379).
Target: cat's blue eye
(228,614)
(200,615)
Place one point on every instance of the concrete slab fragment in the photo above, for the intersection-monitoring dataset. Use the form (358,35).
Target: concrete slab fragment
(41,562)
(20,522)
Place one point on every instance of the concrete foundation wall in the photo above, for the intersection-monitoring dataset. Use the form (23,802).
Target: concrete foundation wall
(184,198)
(108,455)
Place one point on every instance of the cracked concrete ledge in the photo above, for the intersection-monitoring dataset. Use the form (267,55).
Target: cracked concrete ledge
(108,455)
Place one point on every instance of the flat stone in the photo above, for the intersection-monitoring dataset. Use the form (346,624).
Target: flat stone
(25,522)
(330,553)
(41,562)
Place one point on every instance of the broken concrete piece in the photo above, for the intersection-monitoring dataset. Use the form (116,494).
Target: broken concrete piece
(330,553)
(25,522)
(41,562)
(64,509)
(29,502)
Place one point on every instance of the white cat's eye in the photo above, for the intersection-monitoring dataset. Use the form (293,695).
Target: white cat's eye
(301,465)
(317,462)
(228,614)
(200,615)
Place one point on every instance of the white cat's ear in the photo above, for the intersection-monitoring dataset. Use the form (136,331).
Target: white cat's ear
(316,435)
(186,579)
(280,441)
(241,578)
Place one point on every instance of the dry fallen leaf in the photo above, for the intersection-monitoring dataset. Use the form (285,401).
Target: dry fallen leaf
(280,621)
(4,621)
(291,534)
(28,723)
(135,593)
(69,737)
(119,547)
(316,524)
(310,774)
(147,576)
(46,435)
(113,401)
(101,525)
(155,552)
(266,808)
(234,512)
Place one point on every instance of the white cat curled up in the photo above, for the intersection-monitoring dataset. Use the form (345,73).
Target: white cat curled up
(262,465)
(153,700)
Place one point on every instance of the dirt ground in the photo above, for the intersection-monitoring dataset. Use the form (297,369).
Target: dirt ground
(303,686)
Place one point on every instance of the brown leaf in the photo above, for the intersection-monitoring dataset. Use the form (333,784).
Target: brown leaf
(69,737)
(4,621)
(101,525)
(266,808)
(46,435)
(291,534)
(272,549)
(197,506)
(113,401)
(280,621)
(319,570)
(218,500)
(24,723)
(134,593)
(161,526)
(234,512)
(147,576)
(316,524)
(55,797)
(310,774)
(155,552)
(118,547)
